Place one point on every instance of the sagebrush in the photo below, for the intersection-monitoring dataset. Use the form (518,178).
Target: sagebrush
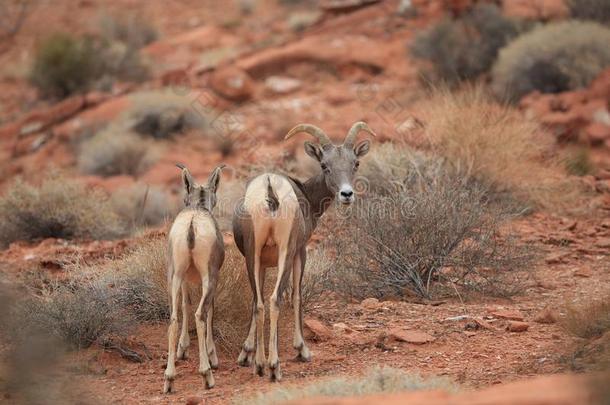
(142,205)
(57,208)
(552,58)
(595,10)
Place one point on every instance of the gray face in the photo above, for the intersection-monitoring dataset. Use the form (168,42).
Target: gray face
(339,165)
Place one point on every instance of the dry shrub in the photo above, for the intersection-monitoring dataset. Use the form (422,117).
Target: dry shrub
(132,30)
(552,58)
(13,14)
(57,208)
(578,161)
(141,205)
(428,237)
(498,146)
(375,381)
(110,153)
(77,314)
(464,48)
(162,114)
(595,10)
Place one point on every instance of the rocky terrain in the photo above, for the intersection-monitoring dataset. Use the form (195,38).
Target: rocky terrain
(252,70)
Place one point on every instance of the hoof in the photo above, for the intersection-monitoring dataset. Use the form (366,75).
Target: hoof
(275,372)
(167,386)
(208,379)
(259,370)
(304,355)
(245,358)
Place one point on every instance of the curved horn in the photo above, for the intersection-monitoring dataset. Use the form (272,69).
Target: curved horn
(311,130)
(355,130)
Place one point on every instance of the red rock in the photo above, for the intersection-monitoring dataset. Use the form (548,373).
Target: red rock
(410,336)
(536,9)
(547,315)
(319,331)
(514,315)
(597,132)
(194,401)
(232,83)
(516,326)
(370,303)
(584,272)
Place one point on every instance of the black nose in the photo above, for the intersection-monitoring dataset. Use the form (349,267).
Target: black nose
(347,194)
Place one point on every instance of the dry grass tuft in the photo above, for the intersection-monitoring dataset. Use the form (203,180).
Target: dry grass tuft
(141,205)
(498,146)
(552,58)
(375,381)
(589,321)
(57,208)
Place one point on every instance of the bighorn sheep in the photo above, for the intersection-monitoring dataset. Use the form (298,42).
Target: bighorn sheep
(272,225)
(196,252)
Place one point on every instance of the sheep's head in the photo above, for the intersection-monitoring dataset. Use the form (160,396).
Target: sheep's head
(339,163)
(200,196)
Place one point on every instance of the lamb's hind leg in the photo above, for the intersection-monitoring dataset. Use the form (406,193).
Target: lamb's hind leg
(170,371)
(210,337)
(297,278)
(201,316)
(247,351)
(185,340)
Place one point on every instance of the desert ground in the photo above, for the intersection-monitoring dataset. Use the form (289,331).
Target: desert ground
(492,147)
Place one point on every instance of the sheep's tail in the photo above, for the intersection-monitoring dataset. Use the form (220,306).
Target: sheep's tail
(272,200)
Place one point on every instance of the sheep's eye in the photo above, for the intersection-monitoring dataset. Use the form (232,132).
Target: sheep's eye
(357,164)
(324,167)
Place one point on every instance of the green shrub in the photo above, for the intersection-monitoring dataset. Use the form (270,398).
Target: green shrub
(375,381)
(132,30)
(64,65)
(552,58)
(465,48)
(58,208)
(595,10)
(578,162)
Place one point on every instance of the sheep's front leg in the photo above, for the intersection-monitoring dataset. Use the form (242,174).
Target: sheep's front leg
(284,268)
(201,316)
(297,277)
(170,371)
(185,340)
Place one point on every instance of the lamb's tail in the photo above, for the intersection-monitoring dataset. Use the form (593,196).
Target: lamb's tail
(272,200)
(190,237)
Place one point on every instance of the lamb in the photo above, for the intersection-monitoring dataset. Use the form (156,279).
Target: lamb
(196,253)
(273,224)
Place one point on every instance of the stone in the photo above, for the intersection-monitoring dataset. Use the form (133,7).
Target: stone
(282,84)
(194,401)
(370,303)
(319,331)
(232,83)
(341,327)
(516,326)
(410,336)
(603,243)
(546,316)
(536,9)
(584,272)
(513,315)
(597,132)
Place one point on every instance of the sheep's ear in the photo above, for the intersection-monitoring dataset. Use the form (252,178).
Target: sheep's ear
(362,148)
(187,179)
(214,178)
(313,150)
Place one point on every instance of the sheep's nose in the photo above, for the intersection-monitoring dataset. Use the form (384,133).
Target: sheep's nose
(347,193)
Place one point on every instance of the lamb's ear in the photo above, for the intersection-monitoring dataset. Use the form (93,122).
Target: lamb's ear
(313,150)
(187,179)
(214,178)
